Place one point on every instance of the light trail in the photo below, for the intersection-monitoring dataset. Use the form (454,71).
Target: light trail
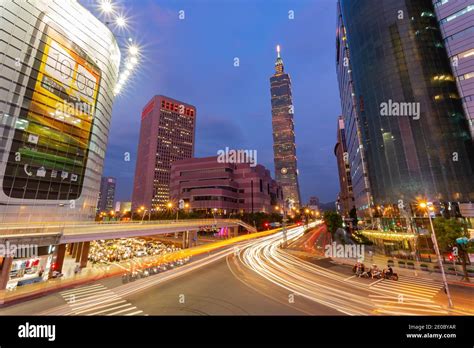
(120,292)
(330,288)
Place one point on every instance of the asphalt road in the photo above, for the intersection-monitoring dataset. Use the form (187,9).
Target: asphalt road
(253,278)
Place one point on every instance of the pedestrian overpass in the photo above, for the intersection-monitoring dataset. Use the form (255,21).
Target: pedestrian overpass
(73,232)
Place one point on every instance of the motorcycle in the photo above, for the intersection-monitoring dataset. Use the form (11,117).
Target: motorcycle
(393,276)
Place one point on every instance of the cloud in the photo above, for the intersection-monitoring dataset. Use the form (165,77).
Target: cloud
(215,133)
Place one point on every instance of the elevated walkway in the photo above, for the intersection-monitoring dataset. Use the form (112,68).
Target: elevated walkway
(63,233)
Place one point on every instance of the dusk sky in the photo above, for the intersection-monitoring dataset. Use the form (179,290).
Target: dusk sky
(193,60)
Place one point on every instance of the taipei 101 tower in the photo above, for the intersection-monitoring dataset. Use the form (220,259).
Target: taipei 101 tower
(284,147)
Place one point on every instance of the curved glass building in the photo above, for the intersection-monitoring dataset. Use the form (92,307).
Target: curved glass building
(406,112)
(57,75)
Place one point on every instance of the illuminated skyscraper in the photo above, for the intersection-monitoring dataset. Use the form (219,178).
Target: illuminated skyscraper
(166,135)
(394,55)
(346,198)
(106,199)
(455,20)
(284,147)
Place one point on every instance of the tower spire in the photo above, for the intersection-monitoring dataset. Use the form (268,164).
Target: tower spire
(279,62)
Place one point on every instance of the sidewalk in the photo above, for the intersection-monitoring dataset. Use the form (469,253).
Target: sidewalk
(381,261)
(92,272)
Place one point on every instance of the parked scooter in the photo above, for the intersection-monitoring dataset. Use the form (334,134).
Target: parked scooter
(390,276)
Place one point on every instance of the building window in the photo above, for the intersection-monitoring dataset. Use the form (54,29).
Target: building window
(458,14)
(466,76)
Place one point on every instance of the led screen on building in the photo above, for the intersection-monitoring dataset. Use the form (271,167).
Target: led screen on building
(49,152)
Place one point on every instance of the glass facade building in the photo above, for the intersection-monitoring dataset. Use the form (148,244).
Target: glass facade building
(352,131)
(414,136)
(345,200)
(56,91)
(284,147)
(456,21)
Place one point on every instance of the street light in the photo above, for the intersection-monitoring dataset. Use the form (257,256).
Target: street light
(430,207)
(133,50)
(144,212)
(121,22)
(106,6)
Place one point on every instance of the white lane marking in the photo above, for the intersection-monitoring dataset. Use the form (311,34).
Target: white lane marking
(377,281)
(99,307)
(110,309)
(123,310)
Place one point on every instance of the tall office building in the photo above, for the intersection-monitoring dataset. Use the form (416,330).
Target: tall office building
(166,135)
(352,128)
(456,18)
(57,76)
(106,194)
(284,147)
(414,137)
(346,199)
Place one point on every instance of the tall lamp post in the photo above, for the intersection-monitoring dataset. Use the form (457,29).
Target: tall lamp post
(307,216)
(144,213)
(428,206)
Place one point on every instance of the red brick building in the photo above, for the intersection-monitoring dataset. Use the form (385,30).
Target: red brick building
(206,184)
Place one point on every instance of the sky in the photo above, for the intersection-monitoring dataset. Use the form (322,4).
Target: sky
(192,60)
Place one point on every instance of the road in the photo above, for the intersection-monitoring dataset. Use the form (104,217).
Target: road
(206,286)
(254,277)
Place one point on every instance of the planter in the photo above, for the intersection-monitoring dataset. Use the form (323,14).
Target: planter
(424,267)
(390,262)
(410,265)
(436,269)
(401,264)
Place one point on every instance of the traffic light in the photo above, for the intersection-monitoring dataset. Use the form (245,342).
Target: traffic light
(450,257)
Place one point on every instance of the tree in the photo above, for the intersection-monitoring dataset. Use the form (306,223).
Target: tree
(447,231)
(333,221)
(353,216)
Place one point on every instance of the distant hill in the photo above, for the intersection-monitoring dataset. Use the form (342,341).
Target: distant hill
(327,206)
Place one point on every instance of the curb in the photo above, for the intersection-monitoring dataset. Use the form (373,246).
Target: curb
(450,282)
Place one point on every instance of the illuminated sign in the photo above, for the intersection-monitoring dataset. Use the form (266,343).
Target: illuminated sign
(50,147)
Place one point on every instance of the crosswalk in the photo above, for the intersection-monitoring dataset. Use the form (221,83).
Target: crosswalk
(407,296)
(97,300)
